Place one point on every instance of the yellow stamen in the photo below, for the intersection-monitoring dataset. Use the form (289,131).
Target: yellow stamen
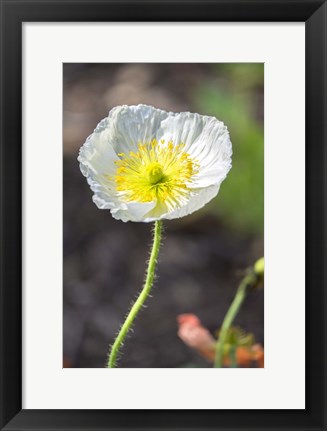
(157,171)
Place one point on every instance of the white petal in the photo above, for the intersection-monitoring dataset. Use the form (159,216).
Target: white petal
(213,153)
(130,125)
(97,162)
(96,157)
(184,127)
(197,200)
(135,211)
(207,141)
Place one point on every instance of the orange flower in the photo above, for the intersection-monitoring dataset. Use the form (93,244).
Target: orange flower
(246,355)
(195,335)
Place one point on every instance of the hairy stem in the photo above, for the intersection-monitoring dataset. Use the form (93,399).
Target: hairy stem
(248,281)
(141,299)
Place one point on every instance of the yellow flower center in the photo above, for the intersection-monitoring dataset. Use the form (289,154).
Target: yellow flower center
(154,172)
(157,171)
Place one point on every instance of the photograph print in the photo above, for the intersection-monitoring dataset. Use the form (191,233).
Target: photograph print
(163,215)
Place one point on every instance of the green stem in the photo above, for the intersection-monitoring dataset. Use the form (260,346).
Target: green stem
(247,281)
(141,299)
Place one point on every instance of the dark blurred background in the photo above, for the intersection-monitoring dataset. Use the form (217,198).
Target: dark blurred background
(203,256)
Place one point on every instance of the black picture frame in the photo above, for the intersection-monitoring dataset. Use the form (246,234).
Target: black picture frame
(13,14)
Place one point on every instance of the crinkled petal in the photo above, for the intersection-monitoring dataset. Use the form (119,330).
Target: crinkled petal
(207,141)
(135,211)
(198,199)
(130,125)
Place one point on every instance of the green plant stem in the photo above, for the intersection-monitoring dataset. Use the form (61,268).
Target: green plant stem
(247,281)
(142,297)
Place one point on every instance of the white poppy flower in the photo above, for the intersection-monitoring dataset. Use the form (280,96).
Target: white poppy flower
(145,164)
